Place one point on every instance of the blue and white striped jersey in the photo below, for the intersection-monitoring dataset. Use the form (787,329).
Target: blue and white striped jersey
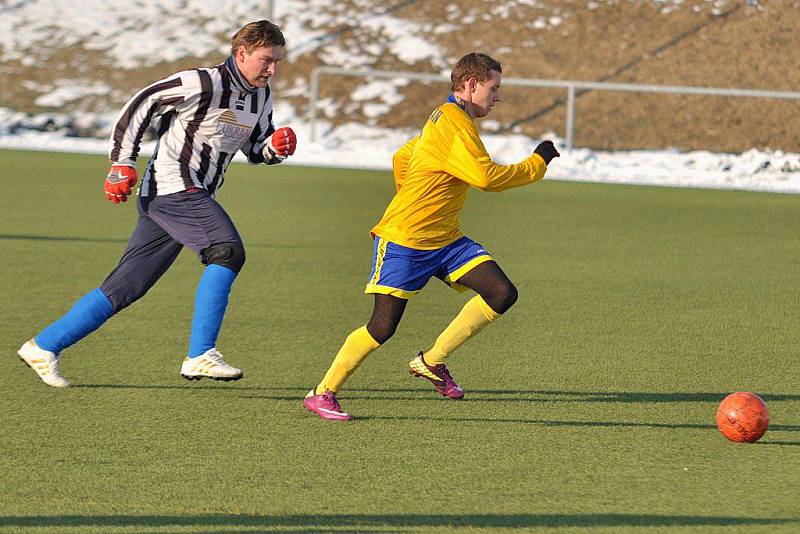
(202,117)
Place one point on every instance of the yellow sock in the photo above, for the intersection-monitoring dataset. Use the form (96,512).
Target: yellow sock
(356,347)
(473,316)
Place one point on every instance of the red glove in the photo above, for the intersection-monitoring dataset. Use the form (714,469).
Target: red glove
(282,143)
(119,181)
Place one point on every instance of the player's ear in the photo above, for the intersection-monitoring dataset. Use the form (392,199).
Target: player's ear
(472,83)
(240,52)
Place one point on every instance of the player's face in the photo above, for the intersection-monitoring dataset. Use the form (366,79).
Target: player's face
(486,94)
(258,65)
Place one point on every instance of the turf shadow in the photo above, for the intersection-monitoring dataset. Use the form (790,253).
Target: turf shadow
(222,388)
(543,395)
(428,397)
(551,395)
(25,237)
(424,393)
(406,521)
(474,395)
(555,423)
(779,443)
(538,422)
(28,237)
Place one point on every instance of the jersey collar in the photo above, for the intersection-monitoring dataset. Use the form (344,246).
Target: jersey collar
(457,101)
(236,77)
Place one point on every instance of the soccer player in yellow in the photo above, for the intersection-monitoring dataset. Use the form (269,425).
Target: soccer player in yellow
(419,236)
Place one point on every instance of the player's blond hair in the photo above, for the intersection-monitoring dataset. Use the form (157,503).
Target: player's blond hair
(475,65)
(256,34)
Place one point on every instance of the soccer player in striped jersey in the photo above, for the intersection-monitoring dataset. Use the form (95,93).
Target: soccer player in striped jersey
(202,118)
(419,236)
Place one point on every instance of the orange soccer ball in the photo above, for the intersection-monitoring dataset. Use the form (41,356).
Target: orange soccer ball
(742,416)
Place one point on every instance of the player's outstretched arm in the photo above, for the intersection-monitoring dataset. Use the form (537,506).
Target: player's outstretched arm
(533,168)
(159,99)
(470,162)
(528,171)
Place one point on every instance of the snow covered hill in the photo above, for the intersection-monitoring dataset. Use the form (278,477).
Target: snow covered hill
(67,66)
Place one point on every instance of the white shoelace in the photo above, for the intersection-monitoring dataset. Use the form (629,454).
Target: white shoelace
(216,357)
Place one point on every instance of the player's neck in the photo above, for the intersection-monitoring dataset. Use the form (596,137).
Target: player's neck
(465,103)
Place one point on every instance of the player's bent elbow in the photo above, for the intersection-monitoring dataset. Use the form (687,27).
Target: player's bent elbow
(482,182)
(494,188)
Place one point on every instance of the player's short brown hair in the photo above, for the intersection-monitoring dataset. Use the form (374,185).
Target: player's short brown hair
(256,34)
(474,64)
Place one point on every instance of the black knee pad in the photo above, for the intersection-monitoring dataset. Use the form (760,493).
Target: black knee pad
(230,255)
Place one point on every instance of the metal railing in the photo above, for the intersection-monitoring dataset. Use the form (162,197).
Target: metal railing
(569,85)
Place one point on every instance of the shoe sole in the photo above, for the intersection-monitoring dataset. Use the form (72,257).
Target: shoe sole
(412,372)
(222,378)
(348,418)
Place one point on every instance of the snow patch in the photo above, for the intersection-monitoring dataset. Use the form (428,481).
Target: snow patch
(753,170)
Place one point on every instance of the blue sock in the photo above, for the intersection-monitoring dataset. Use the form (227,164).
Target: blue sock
(85,317)
(209,308)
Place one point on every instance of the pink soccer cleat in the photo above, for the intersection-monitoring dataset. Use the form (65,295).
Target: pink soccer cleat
(325,406)
(438,375)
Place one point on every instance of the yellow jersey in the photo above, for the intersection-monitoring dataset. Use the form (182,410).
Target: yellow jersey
(432,174)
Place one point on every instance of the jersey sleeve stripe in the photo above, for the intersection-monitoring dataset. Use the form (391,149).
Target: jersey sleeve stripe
(146,122)
(124,121)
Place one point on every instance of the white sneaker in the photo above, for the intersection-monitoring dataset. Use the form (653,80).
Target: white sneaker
(45,363)
(211,365)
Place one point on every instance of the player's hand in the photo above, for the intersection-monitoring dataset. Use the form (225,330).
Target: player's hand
(119,181)
(547,150)
(282,143)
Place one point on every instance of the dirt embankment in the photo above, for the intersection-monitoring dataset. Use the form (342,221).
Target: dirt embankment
(736,44)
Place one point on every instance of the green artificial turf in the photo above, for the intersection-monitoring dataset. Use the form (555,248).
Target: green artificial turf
(589,407)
